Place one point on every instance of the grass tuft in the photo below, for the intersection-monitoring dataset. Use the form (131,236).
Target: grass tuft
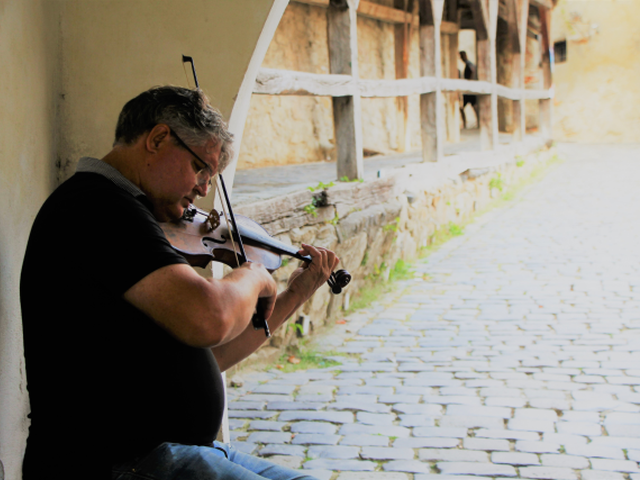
(308,359)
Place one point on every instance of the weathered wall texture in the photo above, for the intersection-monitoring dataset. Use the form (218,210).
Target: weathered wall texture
(596,90)
(29,48)
(376,60)
(97,81)
(374,224)
(283,130)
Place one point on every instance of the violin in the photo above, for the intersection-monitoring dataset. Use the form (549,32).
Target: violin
(203,237)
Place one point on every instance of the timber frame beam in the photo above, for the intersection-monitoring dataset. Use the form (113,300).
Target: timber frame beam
(343,60)
(439,90)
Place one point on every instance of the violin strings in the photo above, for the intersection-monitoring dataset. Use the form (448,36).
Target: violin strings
(226,216)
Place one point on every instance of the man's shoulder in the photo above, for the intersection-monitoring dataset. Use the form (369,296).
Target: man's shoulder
(91,202)
(89,181)
(92,191)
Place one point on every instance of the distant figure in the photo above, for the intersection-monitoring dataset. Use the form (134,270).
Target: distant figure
(470,73)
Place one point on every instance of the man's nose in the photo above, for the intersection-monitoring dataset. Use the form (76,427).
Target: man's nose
(202,188)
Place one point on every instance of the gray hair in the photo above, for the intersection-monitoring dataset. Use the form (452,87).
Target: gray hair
(188,112)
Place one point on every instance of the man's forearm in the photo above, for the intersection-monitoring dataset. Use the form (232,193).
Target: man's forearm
(239,348)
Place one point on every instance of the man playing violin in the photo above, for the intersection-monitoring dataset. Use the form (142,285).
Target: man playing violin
(125,342)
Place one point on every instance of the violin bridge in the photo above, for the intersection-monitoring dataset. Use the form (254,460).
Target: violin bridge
(213,220)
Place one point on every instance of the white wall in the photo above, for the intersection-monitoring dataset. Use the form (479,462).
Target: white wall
(28,141)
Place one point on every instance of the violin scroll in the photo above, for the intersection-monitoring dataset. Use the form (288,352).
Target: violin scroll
(338,280)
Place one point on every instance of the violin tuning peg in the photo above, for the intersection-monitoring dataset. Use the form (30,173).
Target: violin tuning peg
(342,278)
(338,280)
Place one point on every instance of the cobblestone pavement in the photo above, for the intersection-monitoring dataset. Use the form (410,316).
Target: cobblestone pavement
(515,352)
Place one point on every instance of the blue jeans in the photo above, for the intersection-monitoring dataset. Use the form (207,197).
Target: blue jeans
(171,461)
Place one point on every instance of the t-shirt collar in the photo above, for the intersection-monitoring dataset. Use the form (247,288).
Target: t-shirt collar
(93,165)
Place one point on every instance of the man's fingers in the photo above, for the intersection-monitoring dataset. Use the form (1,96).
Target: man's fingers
(324,256)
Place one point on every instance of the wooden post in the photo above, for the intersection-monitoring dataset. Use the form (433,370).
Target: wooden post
(546,110)
(518,105)
(431,107)
(453,114)
(446,67)
(516,27)
(454,97)
(343,59)
(402,41)
(485,14)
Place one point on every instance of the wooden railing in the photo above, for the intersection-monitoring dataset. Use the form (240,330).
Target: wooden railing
(287,82)
(346,88)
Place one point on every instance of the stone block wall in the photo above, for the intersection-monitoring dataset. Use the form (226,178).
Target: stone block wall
(372,225)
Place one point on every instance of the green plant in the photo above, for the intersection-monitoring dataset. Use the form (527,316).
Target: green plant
(321,186)
(401,271)
(374,288)
(455,229)
(311,209)
(496,182)
(365,259)
(335,220)
(440,236)
(295,326)
(391,227)
(308,359)
(519,162)
(378,269)
(346,179)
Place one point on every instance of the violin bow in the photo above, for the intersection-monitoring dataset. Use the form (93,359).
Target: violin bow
(258,319)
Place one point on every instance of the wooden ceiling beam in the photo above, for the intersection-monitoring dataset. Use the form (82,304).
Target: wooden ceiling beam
(542,3)
(373,11)
(384,14)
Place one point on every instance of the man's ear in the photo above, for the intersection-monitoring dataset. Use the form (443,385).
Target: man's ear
(156,137)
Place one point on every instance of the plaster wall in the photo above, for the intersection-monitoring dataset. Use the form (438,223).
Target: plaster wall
(28,140)
(596,89)
(145,40)
(68,66)
(283,129)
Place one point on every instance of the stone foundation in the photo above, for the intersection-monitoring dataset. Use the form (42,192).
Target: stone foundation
(374,224)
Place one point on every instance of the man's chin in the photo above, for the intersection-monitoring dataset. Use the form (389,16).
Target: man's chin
(166,215)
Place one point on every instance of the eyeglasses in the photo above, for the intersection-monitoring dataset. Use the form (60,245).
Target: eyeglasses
(203,170)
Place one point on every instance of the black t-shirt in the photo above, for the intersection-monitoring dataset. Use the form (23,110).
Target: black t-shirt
(106,383)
